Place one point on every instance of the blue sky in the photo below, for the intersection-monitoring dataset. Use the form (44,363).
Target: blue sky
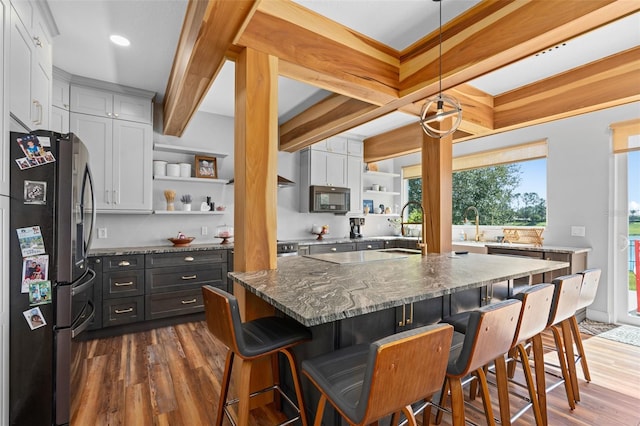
(533,177)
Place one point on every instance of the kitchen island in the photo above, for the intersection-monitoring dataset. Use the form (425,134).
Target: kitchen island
(352,298)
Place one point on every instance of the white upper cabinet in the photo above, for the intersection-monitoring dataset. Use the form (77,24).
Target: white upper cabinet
(102,103)
(5,16)
(60,103)
(60,93)
(30,67)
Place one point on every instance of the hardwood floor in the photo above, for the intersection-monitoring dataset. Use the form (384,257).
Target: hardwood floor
(171,376)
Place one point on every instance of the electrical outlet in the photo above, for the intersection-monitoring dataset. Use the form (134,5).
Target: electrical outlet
(578,231)
(102,232)
(204,230)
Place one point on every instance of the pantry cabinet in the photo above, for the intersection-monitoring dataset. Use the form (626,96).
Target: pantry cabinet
(30,67)
(101,103)
(120,159)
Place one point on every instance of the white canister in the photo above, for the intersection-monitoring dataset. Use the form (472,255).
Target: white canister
(159,168)
(375,187)
(173,170)
(185,170)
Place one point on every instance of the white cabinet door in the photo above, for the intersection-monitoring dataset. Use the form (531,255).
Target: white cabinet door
(132,159)
(91,101)
(318,168)
(20,71)
(354,182)
(355,148)
(41,92)
(336,169)
(60,94)
(131,108)
(337,144)
(5,27)
(59,120)
(97,135)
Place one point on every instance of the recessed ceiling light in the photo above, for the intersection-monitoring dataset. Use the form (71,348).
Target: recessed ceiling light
(120,40)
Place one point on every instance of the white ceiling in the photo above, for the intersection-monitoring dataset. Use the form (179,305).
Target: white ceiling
(153,26)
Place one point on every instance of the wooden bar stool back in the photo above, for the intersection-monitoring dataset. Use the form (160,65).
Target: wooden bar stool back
(490,333)
(588,290)
(534,314)
(368,382)
(563,307)
(251,340)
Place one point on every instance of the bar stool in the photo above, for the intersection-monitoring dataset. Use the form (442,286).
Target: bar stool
(590,280)
(534,314)
(490,333)
(250,341)
(368,382)
(565,299)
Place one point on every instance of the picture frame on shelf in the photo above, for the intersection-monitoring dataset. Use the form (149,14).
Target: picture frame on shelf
(367,206)
(206,167)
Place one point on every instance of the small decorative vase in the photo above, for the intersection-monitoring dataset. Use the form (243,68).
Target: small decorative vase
(170,207)
(186,207)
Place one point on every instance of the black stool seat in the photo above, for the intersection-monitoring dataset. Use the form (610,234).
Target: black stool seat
(267,334)
(459,321)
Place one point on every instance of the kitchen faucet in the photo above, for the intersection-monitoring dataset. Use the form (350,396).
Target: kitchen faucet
(422,242)
(477,220)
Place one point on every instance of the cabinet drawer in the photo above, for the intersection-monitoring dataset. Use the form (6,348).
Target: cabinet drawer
(331,248)
(123,284)
(516,252)
(119,263)
(124,310)
(174,303)
(161,280)
(159,260)
(371,245)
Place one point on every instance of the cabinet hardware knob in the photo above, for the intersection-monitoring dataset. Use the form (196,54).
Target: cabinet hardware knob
(98,261)
(189,259)
(369,246)
(334,249)
(410,320)
(37,41)
(116,115)
(128,283)
(108,114)
(189,277)
(124,263)
(188,302)
(123,311)
(404,316)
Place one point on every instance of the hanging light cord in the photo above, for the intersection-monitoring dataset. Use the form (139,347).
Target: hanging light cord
(440,50)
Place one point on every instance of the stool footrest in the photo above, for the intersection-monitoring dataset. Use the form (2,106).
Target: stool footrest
(256,393)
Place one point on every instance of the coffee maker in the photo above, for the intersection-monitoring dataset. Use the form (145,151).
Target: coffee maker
(356,224)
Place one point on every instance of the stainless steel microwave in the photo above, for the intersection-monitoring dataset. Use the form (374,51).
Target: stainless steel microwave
(329,199)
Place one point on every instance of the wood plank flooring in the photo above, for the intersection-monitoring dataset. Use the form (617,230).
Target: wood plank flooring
(171,376)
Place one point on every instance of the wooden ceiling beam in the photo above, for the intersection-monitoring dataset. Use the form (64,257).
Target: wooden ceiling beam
(350,62)
(208,31)
(601,84)
(473,45)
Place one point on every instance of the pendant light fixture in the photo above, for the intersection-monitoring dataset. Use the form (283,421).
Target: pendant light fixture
(438,108)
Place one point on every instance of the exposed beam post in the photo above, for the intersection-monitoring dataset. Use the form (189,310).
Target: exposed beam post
(437,158)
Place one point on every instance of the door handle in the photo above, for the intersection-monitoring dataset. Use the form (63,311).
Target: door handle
(123,311)
(189,259)
(188,302)
(128,283)
(189,277)
(404,315)
(124,263)
(410,320)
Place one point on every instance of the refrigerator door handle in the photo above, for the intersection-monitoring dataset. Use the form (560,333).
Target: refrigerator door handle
(75,331)
(89,177)
(79,288)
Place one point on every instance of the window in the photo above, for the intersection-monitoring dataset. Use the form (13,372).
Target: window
(507,186)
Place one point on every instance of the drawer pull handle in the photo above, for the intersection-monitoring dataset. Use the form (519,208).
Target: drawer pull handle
(189,259)
(189,277)
(124,263)
(334,249)
(188,302)
(369,246)
(123,311)
(128,283)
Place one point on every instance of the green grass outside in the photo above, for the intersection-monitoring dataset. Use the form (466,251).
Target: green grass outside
(632,281)
(634,228)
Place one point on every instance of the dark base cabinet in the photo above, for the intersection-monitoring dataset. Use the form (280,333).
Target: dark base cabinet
(156,289)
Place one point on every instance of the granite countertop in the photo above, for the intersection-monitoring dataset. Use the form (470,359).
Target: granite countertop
(117,251)
(315,291)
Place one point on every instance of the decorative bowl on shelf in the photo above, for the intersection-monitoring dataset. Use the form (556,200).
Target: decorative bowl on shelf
(181,242)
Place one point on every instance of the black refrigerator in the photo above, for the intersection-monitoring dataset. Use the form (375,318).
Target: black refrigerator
(52,217)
